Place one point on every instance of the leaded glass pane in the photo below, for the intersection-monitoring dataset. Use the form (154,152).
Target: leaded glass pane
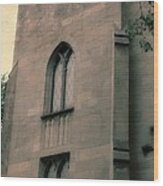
(55,167)
(52,173)
(69,83)
(57,88)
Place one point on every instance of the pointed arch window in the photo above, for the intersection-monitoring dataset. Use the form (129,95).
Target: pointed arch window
(55,166)
(59,79)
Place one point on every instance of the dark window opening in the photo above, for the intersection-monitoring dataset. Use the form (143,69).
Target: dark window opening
(56,166)
(59,80)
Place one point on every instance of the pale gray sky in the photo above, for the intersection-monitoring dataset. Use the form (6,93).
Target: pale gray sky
(8,16)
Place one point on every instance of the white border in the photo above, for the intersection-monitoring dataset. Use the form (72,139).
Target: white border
(62,1)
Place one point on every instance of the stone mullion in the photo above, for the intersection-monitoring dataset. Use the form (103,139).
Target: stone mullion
(64,75)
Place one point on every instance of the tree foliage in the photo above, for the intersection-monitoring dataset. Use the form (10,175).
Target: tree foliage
(4,79)
(143,26)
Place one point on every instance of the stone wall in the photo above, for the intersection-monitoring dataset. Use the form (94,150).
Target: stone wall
(8,118)
(89,29)
(141,107)
(112,117)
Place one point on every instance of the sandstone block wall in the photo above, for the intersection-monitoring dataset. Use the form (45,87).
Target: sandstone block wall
(112,118)
(90,31)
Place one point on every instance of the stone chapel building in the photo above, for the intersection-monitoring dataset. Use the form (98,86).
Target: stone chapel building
(80,97)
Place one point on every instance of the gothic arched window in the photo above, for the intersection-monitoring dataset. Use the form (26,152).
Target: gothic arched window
(56,166)
(59,79)
(57,169)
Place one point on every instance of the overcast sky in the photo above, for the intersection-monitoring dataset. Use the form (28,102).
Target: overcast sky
(8,15)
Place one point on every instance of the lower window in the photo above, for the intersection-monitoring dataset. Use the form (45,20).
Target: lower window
(56,166)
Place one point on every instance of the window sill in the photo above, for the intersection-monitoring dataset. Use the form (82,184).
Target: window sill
(57,113)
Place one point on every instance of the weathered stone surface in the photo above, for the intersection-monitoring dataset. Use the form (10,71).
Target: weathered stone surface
(113,92)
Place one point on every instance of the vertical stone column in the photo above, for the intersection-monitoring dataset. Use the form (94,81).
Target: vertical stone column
(121,107)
